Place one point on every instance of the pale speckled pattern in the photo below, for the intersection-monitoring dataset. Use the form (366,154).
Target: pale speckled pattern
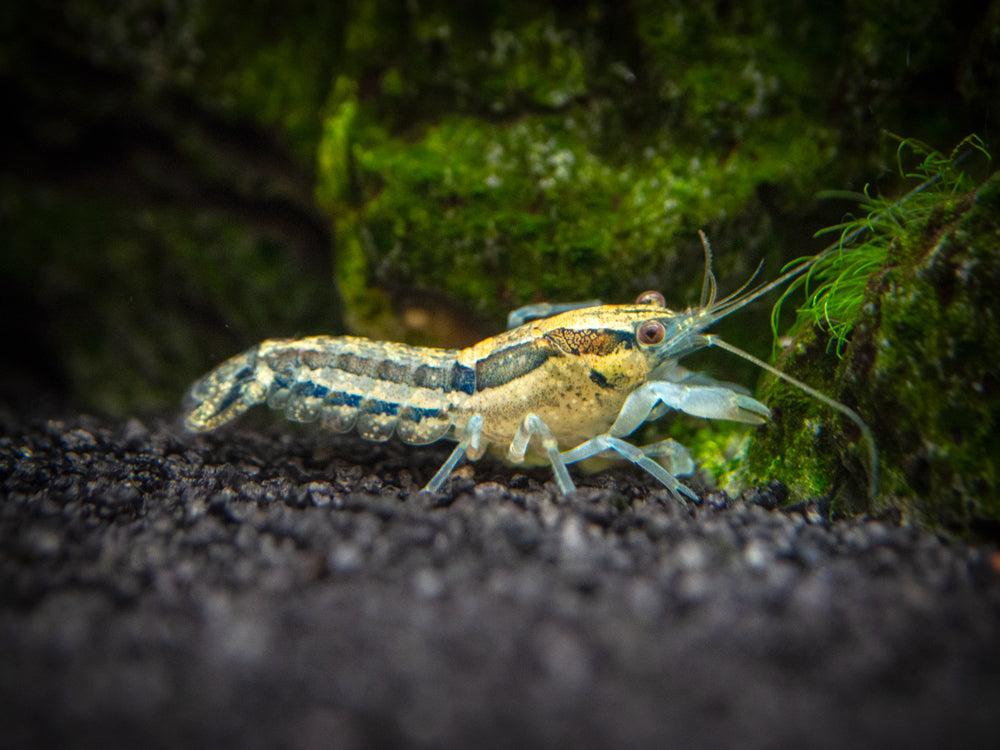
(345,382)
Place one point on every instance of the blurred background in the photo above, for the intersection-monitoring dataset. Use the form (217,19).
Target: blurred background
(181,179)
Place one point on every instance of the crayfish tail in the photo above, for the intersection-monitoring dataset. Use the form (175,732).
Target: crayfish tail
(224,393)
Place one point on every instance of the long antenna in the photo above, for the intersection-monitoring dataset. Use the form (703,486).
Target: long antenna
(708,284)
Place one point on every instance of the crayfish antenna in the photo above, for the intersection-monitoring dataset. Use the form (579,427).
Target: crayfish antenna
(709,287)
(847,411)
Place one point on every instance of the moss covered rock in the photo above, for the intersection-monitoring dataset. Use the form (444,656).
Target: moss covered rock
(577,155)
(921,370)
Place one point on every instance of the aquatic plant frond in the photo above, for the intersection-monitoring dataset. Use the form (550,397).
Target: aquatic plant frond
(835,282)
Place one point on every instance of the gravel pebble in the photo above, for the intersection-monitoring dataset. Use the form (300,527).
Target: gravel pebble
(290,587)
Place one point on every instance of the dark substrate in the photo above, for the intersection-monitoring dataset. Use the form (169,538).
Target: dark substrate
(272,587)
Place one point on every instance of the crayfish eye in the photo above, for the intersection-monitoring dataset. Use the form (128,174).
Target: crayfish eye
(651,298)
(651,332)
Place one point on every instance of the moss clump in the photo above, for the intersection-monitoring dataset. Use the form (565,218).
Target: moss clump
(496,215)
(920,369)
(935,391)
(801,443)
(837,280)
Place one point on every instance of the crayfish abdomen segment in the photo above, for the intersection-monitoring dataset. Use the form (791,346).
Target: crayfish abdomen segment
(346,383)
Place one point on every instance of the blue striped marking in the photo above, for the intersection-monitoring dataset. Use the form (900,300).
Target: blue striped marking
(365,404)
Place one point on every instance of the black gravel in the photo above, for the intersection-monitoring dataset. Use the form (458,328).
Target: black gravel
(288,588)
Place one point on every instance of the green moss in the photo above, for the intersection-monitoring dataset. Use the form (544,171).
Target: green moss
(803,443)
(497,215)
(934,376)
(920,369)
(718,450)
(607,160)
(835,284)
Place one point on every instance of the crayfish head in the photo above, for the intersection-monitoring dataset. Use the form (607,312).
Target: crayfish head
(663,334)
(622,344)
